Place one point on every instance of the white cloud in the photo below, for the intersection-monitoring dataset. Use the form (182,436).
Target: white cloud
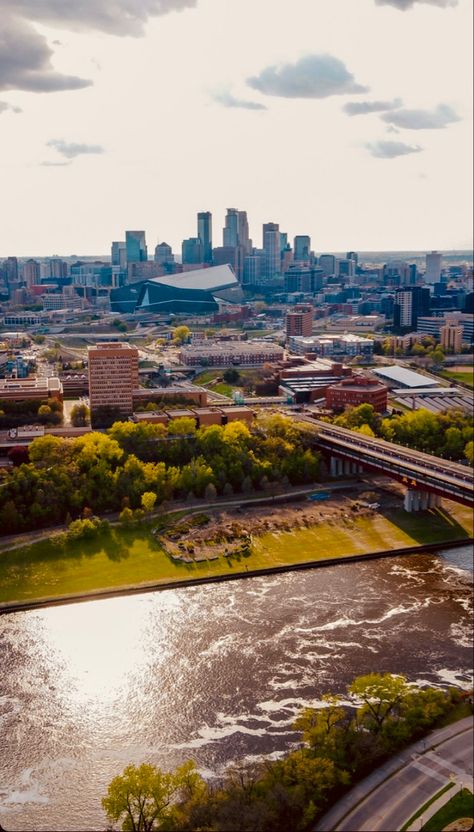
(422,119)
(390,150)
(227,99)
(6,107)
(408,4)
(72,149)
(359,108)
(313,76)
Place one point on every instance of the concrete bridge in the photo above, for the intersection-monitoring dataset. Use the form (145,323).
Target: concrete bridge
(426,477)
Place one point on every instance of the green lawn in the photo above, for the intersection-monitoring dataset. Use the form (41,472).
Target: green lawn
(460,806)
(125,556)
(466,376)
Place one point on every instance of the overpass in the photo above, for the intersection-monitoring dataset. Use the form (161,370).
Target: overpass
(427,477)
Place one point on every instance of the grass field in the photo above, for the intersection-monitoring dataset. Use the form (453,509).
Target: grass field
(460,806)
(124,556)
(466,376)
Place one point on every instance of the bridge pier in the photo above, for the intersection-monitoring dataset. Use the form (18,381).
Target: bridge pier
(343,467)
(420,500)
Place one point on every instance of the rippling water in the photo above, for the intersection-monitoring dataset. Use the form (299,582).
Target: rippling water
(216,673)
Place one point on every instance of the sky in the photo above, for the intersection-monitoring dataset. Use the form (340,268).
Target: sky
(348,120)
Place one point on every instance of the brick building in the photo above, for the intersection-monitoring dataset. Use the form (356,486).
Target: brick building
(357,390)
(113,376)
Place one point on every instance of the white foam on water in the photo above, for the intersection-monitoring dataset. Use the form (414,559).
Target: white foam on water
(461,634)
(27,790)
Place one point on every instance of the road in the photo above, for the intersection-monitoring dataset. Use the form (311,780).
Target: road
(391,804)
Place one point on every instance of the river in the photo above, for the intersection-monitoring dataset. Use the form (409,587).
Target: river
(216,673)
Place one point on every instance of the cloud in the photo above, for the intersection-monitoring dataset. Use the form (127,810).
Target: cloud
(6,107)
(54,164)
(403,5)
(390,150)
(313,76)
(72,149)
(391,129)
(360,108)
(25,61)
(117,17)
(422,119)
(228,100)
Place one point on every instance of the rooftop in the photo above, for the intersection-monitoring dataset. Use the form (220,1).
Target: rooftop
(404,377)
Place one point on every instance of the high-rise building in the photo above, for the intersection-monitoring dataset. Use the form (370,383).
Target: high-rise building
(230,255)
(10,266)
(113,376)
(300,321)
(433,267)
(252,269)
(327,262)
(119,254)
(163,254)
(352,255)
(302,247)
(346,268)
(204,229)
(58,269)
(230,232)
(136,246)
(31,272)
(192,250)
(271,250)
(451,337)
(243,231)
(411,303)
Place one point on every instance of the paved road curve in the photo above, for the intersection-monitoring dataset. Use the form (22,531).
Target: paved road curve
(395,800)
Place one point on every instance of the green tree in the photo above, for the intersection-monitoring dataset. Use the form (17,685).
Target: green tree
(80,415)
(144,798)
(381,695)
(469,452)
(231,375)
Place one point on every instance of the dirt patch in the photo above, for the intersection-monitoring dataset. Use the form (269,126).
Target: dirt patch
(230,533)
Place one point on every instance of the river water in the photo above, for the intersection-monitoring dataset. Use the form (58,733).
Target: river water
(216,673)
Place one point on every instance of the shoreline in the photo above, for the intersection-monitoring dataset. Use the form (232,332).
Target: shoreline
(154,586)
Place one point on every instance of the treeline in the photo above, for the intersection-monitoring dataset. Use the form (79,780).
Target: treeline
(449,434)
(109,472)
(340,744)
(14,414)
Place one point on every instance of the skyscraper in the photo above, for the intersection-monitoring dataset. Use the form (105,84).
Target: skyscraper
(204,229)
(411,303)
(31,272)
(243,232)
(302,247)
(119,254)
(433,267)
(328,264)
(163,254)
(136,246)
(271,249)
(230,232)
(192,250)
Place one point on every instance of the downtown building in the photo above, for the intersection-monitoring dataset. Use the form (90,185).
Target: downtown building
(113,377)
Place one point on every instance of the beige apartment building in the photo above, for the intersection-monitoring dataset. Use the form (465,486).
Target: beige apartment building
(113,376)
(451,337)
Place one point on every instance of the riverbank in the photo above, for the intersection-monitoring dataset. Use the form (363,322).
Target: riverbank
(192,546)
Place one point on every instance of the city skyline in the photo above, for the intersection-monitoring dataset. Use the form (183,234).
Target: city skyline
(320,128)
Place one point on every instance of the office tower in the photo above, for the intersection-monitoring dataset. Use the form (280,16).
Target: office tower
(252,269)
(271,250)
(300,321)
(286,259)
(10,266)
(352,255)
(232,256)
(433,267)
(327,262)
(302,247)
(113,376)
(243,232)
(31,272)
(58,268)
(191,251)
(411,303)
(283,240)
(346,268)
(119,254)
(451,336)
(204,229)
(163,254)
(136,246)
(230,232)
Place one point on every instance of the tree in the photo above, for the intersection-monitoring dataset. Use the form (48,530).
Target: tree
(80,415)
(181,334)
(148,501)
(210,492)
(469,452)
(231,375)
(126,516)
(144,797)
(381,695)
